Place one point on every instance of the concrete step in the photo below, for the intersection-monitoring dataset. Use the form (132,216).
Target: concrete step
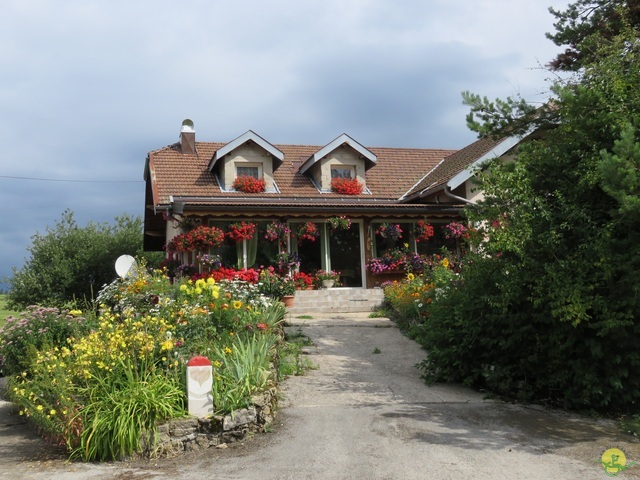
(336,300)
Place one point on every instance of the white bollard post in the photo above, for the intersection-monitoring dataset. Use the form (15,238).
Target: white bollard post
(199,384)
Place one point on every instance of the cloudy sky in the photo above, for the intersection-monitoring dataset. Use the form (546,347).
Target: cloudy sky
(88,87)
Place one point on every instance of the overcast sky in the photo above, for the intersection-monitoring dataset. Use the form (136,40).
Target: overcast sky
(87,88)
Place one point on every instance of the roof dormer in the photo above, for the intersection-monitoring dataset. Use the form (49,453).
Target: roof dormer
(249,155)
(341,158)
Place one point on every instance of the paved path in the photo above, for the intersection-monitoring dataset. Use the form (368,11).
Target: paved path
(366,415)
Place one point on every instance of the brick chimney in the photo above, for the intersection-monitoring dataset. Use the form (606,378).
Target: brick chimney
(188,138)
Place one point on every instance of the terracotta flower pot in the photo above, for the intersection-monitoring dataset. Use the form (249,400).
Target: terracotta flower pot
(288,301)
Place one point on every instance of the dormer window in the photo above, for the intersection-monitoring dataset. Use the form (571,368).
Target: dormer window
(343,171)
(249,170)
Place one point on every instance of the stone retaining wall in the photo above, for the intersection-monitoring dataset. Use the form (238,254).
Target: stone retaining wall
(188,434)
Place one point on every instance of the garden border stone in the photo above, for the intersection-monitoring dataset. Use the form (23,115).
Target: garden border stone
(183,435)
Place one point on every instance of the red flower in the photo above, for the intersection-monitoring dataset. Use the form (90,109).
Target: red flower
(241,231)
(423,231)
(200,239)
(308,231)
(346,186)
(247,184)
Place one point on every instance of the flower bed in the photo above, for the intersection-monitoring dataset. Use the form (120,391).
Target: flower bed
(102,391)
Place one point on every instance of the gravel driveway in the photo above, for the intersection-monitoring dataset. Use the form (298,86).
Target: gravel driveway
(364,415)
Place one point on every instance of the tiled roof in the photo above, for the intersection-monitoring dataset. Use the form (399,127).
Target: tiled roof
(452,165)
(178,175)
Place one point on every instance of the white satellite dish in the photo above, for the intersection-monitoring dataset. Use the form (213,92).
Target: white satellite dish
(125,265)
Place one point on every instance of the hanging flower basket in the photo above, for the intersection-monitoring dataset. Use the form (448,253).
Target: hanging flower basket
(247,184)
(389,231)
(199,239)
(277,231)
(423,231)
(241,231)
(308,232)
(346,186)
(455,230)
(340,223)
(287,262)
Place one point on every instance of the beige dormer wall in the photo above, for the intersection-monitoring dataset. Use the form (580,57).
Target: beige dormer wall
(342,156)
(249,155)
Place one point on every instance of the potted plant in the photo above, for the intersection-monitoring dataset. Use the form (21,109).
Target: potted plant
(287,290)
(308,232)
(247,184)
(327,279)
(303,281)
(389,231)
(287,262)
(340,223)
(346,186)
(199,239)
(241,231)
(422,231)
(277,231)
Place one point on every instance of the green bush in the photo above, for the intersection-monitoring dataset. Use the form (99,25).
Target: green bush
(35,329)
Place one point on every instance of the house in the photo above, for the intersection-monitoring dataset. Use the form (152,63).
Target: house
(315,192)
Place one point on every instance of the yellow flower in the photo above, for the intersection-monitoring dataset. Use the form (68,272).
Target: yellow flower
(52,412)
(237,304)
(227,350)
(183,287)
(445,262)
(406,245)
(39,408)
(410,277)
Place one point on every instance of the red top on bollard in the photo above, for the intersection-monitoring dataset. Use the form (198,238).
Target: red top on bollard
(199,361)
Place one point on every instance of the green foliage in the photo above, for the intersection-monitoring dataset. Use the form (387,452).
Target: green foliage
(547,309)
(242,369)
(584,23)
(292,360)
(35,329)
(69,263)
(121,411)
(5,311)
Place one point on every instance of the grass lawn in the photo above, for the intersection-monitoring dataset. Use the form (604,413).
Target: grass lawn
(4,312)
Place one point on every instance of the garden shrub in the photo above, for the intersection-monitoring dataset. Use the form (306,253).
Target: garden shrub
(34,329)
